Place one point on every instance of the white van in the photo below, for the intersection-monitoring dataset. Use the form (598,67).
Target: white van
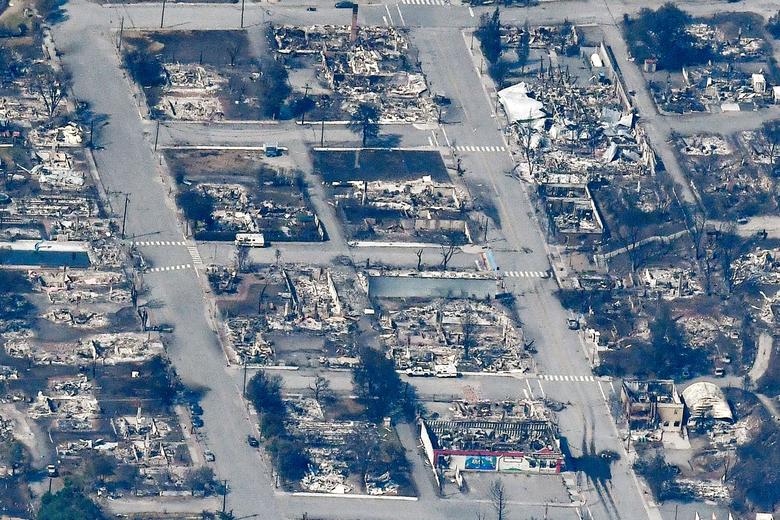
(250,239)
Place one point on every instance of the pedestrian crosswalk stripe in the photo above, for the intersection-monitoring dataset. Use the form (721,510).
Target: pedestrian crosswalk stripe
(570,378)
(525,274)
(169,268)
(473,148)
(424,2)
(196,259)
(145,243)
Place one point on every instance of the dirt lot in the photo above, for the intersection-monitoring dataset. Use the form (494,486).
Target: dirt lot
(376,165)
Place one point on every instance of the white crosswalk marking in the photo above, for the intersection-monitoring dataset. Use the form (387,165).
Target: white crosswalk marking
(554,377)
(196,259)
(424,2)
(473,148)
(149,243)
(525,274)
(169,268)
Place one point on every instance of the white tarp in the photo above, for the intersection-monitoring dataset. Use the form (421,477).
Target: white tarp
(518,105)
(704,399)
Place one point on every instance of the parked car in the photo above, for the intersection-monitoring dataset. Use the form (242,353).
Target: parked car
(51,470)
(195,409)
(209,456)
(311,8)
(252,441)
(419,372)
(197,422)
(345,4)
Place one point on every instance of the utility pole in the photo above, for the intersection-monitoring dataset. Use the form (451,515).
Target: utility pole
(481,63)
(244,392)
(124,215)
(224,496)
(121,31)
(91,132)
(322,132)
(156,135)
(162,15)
(242,14)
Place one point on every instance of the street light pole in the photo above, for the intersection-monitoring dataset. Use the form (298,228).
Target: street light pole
(242,14)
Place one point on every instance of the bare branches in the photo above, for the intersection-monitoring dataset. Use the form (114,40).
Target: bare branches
(498,499)
(49,85)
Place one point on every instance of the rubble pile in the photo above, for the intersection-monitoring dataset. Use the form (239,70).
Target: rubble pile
(375,68)
(671,283)
(239,209)
(329,446)
(302,300)
(108,349)
(70,402)
(467,334)
(191,93)
(398,210)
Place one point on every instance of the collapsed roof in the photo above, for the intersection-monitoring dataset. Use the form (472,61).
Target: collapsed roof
(706,401)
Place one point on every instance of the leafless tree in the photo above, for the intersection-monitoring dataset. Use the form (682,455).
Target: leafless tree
(727,243)
(233,51)
(525,138)
(243,263)
(498,499)
(419,254)
(697,224)
(278,256)
(708,264)
(320,388)
(447,252)
(49,85)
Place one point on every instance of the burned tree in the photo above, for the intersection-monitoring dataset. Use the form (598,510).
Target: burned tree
(49,85)
(526,134)
(727,244)
(320,389)
(498,499)
(243,263)
(419,254)
(696,222)
(447,252)
(233,51)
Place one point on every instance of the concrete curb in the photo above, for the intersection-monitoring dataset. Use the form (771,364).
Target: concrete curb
(353,496)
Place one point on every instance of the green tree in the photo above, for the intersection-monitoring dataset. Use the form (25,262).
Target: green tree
(196,206)
(289,458)
(378,386)
(489,34)
(365,121)
(773,26)
(662,34)
(70,503)
(200,479)
(274,88)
